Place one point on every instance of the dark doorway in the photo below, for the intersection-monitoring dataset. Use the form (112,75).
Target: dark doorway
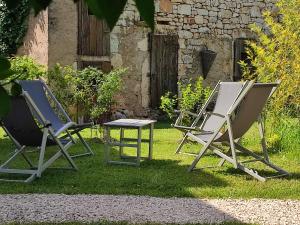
(240,54)
(164,66)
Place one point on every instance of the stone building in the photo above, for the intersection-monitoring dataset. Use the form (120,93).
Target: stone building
(69,34)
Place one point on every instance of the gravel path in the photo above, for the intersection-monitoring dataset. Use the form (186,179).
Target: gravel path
(91,208)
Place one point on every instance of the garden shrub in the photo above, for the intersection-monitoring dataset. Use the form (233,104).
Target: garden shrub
(276,57)
(26,68)
(61,80)
(193,96)
(21,68)
(91,90)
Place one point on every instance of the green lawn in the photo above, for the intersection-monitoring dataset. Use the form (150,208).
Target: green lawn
(166,175)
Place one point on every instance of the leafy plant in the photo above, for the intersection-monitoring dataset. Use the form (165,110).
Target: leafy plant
(90,89)
(26,68)
(7,86)
(276,57)
(168,104)
(109,87)
(193,96)
(61,80)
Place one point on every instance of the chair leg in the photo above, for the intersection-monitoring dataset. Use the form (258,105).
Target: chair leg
(232,145)
(64,152)
(17,152)
(88,149)
(261,159)
(262,138)
(199,156)
(182,142)
(42,152)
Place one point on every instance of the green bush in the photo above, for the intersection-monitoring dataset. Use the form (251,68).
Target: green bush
(61,80)
(283,136)
(26,68)
(191,99)
(21,68)
(91,90)
(276,57)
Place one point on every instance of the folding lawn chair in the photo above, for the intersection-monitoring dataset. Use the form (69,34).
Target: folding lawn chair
(226,125)
(38,94)
(23,129)
(224,94)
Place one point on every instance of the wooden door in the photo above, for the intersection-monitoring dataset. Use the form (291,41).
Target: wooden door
(93,34)
(164,66)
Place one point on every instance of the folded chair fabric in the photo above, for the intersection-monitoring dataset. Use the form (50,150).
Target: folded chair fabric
(229,122)
(39,94)
(224,95)
(33,122)
(23,129)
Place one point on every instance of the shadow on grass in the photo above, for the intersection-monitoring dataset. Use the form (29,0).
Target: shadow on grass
(157,177)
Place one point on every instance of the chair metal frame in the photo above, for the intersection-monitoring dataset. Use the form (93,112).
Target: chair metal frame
(70,128)
(233,144)
(36,171)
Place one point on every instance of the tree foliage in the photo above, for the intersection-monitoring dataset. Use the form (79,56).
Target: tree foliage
(13,26)
(276,56)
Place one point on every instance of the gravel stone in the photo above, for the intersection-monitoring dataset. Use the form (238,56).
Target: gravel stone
(141,209)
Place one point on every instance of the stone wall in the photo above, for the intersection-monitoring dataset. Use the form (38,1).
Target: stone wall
(129,49)
(199,24)
(213,24)
(36,41)
(62,33)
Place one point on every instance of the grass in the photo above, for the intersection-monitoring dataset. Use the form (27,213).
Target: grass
(164,176)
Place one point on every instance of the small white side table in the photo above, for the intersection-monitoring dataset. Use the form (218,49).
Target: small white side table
(128,124)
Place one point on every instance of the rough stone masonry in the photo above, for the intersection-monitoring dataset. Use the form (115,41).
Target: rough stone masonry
(214,24)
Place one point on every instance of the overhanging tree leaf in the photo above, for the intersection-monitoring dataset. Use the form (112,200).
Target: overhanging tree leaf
(16,89)
(4,102)
(110,10)
(4,64)
(4,68)
(39,5)
(11,4)
(147,10)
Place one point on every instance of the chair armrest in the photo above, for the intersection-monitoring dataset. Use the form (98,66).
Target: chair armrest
(186,128)
(64,128)
(215,114)
(187,112)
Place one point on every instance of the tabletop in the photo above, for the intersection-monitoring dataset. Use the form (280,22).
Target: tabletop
(129,123)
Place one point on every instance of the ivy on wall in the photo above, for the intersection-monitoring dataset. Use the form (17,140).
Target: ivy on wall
(13,26)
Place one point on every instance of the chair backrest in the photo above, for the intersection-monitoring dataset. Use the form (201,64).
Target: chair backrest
(21,124)
(249,109)
(37,92)
(227,94)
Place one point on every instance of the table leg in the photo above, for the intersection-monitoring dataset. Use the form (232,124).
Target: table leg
(151,141)
(121,141)
(107,144)
(139,141)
